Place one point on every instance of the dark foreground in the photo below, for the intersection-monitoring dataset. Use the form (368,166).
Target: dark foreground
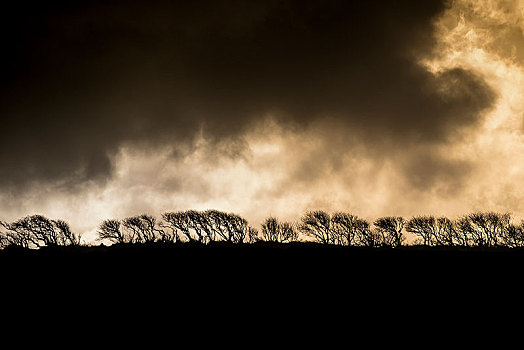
(262,263)
(282,287)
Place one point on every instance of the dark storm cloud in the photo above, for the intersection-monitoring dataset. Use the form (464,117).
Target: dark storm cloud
(427,169)
(81,79)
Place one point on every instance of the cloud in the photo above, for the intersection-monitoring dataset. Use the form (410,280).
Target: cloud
(87,79)
(112,109)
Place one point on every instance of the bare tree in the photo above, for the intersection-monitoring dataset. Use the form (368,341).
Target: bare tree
(218,224)
(318,224)
(142,228)
(466,232)
(210,222)
(341,228)
(168,233)
(390,230)
(364,235)
(179,222)
(203,225)
(211,225)
(67,237)
(237,228)
(351,230)
(199,225)
(152,232)
(37,231)
(281,232)
(14,238)
(513,236)
(436,231)
(424,227)
(111,230)
(446,233)
(489,227)
(135,229)
(482,229)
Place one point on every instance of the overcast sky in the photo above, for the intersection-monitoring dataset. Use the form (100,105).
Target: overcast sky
(116,108)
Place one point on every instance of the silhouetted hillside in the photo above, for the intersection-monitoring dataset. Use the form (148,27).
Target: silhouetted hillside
(261,262)
(293,285)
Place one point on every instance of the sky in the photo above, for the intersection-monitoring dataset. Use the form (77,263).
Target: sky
(263,108)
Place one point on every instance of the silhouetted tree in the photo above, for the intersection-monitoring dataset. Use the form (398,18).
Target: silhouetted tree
(235,228)
(14,238)
(218,224)
(351,230)
(179,222)
(211,225)
(203,225)
(489,227)
(342,226)
(390,230)
(513,236)
(196,225)
(446,233)
(425,227)
(142,228)
(434,231)
(318,224)
(38,231)
(464,231)
(67,237)
(365,236)
(168,233)
(482,229)
(111,230)
(136,229)
(281,232)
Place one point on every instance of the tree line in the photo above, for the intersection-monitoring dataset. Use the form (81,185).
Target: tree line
(479,229)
